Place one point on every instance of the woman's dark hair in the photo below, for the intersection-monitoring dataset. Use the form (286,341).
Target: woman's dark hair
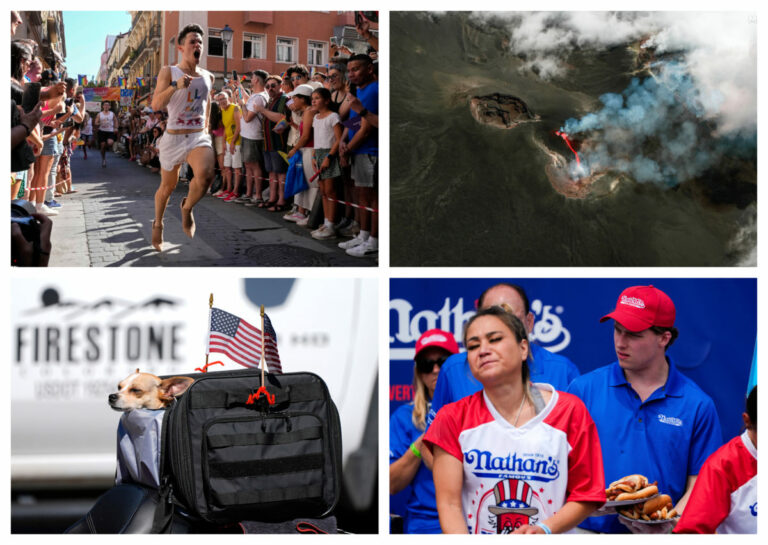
(752,406)
(324,93)
(215,115)
(19,52)
(513,323)
(188,29)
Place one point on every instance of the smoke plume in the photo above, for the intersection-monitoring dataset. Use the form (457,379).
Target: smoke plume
(666,128)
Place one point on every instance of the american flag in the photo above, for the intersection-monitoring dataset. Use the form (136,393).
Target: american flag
(241,342)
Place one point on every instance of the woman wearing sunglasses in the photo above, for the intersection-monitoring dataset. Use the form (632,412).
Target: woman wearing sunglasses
(409,463)
(515,457)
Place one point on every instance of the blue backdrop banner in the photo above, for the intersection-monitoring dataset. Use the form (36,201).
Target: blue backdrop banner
(717,320)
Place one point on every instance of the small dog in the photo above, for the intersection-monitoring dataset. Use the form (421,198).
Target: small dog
(147,391)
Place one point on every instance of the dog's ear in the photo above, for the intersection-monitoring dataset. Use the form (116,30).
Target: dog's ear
(174,387)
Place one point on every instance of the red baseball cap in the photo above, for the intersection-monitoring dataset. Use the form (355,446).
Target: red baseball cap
(437,337)
(641,307)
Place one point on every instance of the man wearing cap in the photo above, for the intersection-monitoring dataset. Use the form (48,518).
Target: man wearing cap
(456,380)
(651,419)
(406,429)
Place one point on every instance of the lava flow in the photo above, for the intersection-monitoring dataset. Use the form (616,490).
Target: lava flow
(570,146)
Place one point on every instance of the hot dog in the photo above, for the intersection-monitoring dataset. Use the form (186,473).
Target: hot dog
(636,482)
(646,492)
(657,503)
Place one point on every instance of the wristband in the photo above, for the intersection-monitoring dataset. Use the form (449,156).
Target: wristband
(363,112)
(415,451)
(26,127)
(544,527)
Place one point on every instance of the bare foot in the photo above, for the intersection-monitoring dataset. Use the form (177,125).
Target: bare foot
(187,220)
(157,235)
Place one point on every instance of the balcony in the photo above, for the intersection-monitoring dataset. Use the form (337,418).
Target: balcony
(154,36)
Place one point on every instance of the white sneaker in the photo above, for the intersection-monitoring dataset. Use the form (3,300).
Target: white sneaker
(303,222)
(367,248)
(243,199)
(324,233)
(351,243)
(294,216)
(45,209)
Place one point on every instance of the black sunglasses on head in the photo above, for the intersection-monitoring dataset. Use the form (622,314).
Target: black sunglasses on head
(426,366)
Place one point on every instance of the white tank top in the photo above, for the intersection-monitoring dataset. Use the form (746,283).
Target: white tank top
(186,109)
(107,121)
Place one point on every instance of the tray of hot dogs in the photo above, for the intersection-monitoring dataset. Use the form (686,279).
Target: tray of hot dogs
(627,492)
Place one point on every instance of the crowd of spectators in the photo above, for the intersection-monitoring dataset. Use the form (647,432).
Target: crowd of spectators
(329,117)
(47,114)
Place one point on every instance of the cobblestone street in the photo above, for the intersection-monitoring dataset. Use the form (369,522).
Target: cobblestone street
(108,223)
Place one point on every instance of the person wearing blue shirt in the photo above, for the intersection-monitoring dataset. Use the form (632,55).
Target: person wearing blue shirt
(651,419)
(408,460)
(456,381)
(363,151)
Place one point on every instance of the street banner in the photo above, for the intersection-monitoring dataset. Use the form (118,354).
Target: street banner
(100,94)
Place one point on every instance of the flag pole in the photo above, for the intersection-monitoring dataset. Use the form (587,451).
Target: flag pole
(208,336)
(263,362)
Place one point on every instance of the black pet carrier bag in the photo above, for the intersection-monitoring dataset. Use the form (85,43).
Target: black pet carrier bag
(234,451)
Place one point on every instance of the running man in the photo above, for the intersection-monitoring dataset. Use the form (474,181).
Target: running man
(107,124)
(184,89)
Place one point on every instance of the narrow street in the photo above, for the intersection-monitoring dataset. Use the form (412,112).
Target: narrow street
(108,223)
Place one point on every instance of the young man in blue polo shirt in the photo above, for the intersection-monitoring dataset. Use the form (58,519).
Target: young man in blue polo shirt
(651,419)
(456,381)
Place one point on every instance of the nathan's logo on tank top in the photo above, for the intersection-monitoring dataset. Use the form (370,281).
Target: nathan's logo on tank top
(530,468)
